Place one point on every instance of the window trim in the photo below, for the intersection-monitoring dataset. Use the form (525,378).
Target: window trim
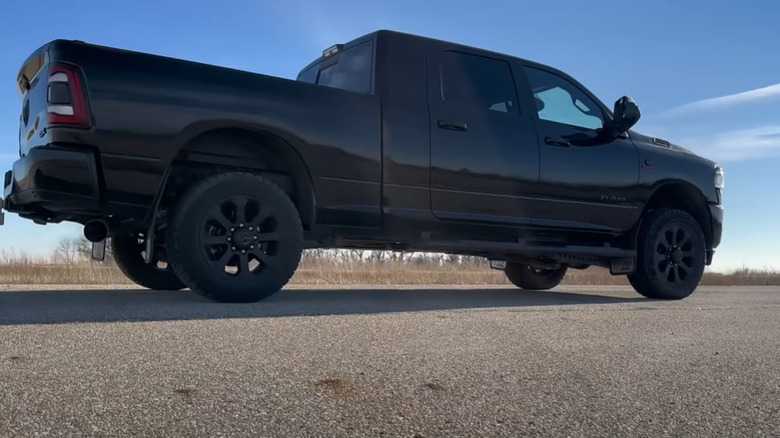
(321,64)
(442,52)
(606,114)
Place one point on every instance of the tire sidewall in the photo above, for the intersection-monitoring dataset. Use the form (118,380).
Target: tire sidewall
(191,259)
(127,253)
(650,281)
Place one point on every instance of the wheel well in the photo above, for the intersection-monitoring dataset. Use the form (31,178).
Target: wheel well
(682,196)
(259,151)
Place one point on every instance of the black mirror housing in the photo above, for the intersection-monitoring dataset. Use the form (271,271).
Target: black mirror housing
(626,115)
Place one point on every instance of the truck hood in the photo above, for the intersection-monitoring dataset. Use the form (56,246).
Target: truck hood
(647,142)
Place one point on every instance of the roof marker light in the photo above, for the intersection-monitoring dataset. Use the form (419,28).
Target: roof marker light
(330,51)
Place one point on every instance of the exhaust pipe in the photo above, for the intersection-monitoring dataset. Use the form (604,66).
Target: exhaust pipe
(96,230)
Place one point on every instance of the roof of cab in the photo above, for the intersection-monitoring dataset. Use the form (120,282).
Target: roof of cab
(391,33)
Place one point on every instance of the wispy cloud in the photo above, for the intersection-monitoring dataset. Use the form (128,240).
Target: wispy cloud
(323,24)
(737,145)
(715,103)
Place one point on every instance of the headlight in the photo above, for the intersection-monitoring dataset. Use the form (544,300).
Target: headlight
(719,178)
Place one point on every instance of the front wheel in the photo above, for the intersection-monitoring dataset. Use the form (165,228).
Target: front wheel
(528,277)
(235,237)
(670,255)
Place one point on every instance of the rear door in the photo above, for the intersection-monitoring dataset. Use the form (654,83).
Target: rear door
(586,180)
(484,152)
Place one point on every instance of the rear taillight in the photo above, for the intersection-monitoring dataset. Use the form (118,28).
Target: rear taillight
(66,102)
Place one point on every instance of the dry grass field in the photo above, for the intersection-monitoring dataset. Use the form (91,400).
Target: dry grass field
(335,271)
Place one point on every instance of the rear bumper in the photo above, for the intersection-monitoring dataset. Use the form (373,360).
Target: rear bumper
(52,184)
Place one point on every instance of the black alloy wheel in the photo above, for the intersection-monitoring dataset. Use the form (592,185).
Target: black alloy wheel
(670,255)
(235,237)
(239,236)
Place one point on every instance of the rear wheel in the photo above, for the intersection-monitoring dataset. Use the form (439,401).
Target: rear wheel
(528,277)
(235,237)
(670,255)
(128,249)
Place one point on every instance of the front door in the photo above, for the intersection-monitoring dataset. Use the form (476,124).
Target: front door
(484,152)
(587,180)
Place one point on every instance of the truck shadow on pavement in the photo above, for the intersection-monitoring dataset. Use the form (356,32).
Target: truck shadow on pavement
(56,307)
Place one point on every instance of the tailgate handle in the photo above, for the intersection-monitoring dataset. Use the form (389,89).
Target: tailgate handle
(450,126)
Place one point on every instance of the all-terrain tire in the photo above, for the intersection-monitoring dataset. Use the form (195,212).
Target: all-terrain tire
(128,255)
(670,255)
(527,277)
(225,224)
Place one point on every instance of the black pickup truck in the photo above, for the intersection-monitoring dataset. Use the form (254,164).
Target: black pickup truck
(217,179)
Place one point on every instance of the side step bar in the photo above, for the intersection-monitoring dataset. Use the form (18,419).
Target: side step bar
(618,260)
(535,250)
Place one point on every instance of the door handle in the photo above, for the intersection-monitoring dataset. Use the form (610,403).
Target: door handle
(443,124)
(557,141)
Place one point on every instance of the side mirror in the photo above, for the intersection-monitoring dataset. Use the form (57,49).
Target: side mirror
(626,115)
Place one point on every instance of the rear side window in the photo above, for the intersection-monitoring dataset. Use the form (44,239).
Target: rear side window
(479,82)
(352,71)
(309,75)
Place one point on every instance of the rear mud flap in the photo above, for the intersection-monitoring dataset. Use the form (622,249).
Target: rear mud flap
(498,264)
(99,250)
(622,266)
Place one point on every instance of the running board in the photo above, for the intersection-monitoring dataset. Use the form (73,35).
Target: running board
(618,260)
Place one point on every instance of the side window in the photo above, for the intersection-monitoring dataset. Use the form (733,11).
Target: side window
(558,100)
(309,75)
(352,72)
(478,82)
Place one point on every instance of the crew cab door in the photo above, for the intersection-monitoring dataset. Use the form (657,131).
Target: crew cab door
(484,154)
(587,180)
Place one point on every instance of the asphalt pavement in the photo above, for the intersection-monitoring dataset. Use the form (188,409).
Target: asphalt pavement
(390,362)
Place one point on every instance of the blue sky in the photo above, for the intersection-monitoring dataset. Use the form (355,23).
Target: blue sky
(704,73)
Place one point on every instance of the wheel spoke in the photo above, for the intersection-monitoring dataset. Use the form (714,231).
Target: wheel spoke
(243,264)
(668,238)
(263,214)
(222,261)
(661,247)
(681,272)
(672,275)
(675,235)
(264,258)
(271,236)
(216,214)
(209,240)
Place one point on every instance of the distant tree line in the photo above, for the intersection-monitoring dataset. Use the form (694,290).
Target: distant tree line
(79,249)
